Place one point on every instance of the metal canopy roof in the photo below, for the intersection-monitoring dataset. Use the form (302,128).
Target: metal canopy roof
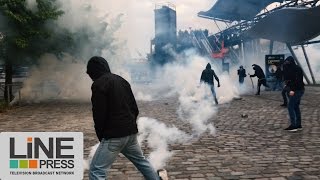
(291,25)
(236,10)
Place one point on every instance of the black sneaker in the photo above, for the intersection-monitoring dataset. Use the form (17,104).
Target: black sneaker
(283,105)
(299,128)
(291,129)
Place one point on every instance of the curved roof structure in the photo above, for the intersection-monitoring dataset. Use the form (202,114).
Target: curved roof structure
(290,25)
(236,10)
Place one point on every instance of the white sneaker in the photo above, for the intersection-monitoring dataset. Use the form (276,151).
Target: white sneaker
(163,174)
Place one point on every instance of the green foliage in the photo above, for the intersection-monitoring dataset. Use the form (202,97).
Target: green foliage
(27,27)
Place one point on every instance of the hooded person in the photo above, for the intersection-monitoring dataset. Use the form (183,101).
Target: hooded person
(261,77)
(242,74)
(207,77)
(295,86)
(115,112)
(285,76)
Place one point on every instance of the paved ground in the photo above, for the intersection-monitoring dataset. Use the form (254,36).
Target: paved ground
(256,147)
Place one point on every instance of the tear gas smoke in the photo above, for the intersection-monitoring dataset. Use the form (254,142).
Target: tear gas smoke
(66,78)
(314,59)
(196,104)
(159,136)
(56,79)
(87,162)
(31,5)
(63,78)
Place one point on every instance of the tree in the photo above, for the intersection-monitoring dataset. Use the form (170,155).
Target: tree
(25,33)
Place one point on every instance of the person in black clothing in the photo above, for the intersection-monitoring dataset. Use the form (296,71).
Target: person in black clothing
(207,77)
(261,77)
(115,112)
(242,74)
(296,90)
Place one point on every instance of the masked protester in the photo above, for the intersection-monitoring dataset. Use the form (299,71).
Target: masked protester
(207,77)
(114,113)
(261,77)
(296,90)
(242,74)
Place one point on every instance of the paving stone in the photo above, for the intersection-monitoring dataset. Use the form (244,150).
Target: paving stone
(256,147)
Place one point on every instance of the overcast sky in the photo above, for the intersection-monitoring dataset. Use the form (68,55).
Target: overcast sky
(138,27)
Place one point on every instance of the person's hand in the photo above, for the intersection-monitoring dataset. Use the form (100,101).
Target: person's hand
(218,85)
(291,93)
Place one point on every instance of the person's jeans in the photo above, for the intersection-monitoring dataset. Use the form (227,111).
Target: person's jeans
(109,149)
(214,93)
(294,109)
(284,94)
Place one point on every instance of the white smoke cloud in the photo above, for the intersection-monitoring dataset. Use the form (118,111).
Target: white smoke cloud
(87,162)
(138,18)
(66,78)
(314,59)
(31,5)
(159,136)
(57,79)
(195,103)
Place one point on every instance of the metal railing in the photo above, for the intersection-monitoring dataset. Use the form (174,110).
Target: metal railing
(234,34)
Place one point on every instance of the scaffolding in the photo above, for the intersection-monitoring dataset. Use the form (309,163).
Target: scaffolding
(236,34)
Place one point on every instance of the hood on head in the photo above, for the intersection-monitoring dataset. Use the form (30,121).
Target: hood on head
(241,67)
(289,60)
(208,66)
(96,67)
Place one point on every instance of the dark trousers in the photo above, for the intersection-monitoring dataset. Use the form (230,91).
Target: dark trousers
(241,79)
(214,94)
(261,82)
(294,109)
(284,94)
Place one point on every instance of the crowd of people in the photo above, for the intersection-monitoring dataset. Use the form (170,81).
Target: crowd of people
(289,77)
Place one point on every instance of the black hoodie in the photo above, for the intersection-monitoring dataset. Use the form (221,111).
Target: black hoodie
(208,74)
(258,72)
(293,75)
(113,105)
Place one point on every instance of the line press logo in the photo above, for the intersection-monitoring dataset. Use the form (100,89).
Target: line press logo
(38,155)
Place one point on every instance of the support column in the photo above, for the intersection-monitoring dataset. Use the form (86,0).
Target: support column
(307,59)
(242,52)
(297,61)
(271,47)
